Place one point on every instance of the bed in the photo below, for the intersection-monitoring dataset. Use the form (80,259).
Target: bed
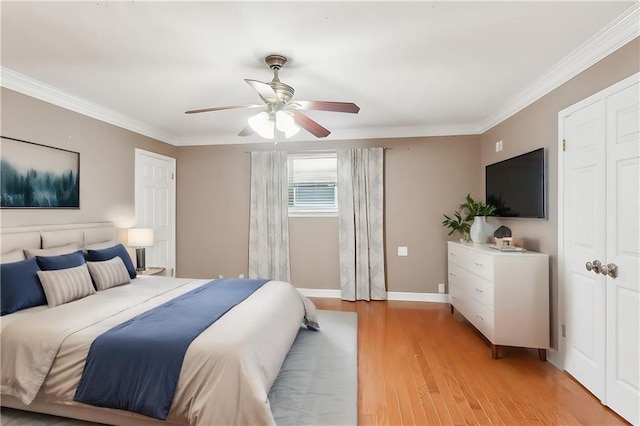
(228,369)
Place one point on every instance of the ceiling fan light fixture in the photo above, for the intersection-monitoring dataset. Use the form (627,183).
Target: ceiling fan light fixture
(286,124)
(262,124)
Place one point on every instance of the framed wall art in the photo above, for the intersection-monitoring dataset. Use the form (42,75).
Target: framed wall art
(38,176)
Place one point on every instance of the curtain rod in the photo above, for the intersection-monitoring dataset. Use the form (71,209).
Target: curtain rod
(315,150)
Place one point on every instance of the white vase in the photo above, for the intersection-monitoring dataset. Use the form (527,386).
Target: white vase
(478,232)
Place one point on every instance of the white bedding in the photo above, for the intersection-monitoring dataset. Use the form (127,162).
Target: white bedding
(227,372)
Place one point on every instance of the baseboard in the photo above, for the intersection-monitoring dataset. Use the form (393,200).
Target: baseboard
(391,295)
(418,297)
(320,292)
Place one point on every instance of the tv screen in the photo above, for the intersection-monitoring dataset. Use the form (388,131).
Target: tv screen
(516,187)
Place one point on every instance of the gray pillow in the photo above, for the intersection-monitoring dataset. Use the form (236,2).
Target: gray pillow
(109,273)
(65,285)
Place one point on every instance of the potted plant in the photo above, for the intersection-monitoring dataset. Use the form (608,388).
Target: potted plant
(474,208)
(457,225)
(468,211)
(478,212)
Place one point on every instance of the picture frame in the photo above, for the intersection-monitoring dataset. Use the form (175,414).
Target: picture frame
(35,176)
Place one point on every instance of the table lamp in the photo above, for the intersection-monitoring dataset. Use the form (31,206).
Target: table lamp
(140,238)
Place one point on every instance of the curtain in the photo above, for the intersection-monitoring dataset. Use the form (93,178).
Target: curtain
(269,219)
(360,217)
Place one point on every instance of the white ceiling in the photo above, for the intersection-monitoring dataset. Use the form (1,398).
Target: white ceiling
(414,68)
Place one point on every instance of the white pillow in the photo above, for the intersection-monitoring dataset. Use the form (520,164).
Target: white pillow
(65,285)
(99,246)
(53,251)
(12,256)
(109,273)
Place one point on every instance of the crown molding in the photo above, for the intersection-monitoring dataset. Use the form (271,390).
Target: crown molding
(336,135)
(616,34)
(36,89)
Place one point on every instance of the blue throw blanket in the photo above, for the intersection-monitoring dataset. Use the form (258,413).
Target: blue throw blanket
(136,365)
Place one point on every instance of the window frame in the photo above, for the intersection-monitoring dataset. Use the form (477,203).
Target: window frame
(311,211)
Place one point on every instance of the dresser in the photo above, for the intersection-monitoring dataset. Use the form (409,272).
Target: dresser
(505,295)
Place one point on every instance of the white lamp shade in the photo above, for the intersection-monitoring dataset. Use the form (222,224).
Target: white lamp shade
(140,237)
(286,124)
(262,123)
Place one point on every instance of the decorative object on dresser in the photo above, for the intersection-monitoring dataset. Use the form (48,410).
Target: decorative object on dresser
(471,210)
(140,238)
(38,176)
(505,295)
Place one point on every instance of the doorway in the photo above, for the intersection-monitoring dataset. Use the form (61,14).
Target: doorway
(155,203)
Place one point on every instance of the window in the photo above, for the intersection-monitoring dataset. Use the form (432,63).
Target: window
(312,183)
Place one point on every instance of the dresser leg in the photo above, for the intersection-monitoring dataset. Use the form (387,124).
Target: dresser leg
(494,351)
(451,309)
(542,353)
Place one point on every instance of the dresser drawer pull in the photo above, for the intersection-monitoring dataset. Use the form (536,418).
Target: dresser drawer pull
(452,274)
(452,254)
(479,290)
(479,264)
(481,319)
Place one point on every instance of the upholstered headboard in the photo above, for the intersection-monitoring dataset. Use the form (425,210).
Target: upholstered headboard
(47,236)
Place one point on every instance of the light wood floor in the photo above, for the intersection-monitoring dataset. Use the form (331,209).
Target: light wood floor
(419,365)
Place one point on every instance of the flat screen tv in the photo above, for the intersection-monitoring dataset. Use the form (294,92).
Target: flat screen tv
(516,187)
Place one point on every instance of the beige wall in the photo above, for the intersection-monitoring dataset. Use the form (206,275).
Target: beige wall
(424,177)
(106,160)
(537,126)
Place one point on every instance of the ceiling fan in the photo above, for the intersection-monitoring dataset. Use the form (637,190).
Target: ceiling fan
(281,114)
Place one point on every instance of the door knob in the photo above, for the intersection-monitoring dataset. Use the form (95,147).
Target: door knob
(612,270)
(596,266)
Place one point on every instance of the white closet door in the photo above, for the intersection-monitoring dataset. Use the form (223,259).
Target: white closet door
(623,250)
(584,241)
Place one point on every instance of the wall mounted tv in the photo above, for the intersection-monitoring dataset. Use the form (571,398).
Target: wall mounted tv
(516,187)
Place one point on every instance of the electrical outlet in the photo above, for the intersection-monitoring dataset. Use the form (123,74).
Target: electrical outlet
(403,251)
(498,146)
(441,288)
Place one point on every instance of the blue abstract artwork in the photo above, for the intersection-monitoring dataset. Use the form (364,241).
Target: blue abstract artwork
(38,176)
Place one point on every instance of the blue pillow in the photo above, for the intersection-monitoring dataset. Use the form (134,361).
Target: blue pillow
(20,287)
(110,253)
(63,261)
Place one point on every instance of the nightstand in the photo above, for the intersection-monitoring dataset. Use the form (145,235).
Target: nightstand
(152,271)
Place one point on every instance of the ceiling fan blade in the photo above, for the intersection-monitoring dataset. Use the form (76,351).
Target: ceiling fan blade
(309,125)
(196,111)
(326,106)
(265,91)
(247,131)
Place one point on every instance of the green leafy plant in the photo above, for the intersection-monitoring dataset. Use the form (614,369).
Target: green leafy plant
(460,221)
(473,208)
(457,225)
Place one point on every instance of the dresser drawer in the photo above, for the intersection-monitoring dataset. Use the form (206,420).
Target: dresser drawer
(458,255)
(475,286)
(482,319)
(460,300)
(481,264)
(476,262)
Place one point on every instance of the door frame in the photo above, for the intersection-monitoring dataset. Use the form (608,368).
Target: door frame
(138,153)
(557,358)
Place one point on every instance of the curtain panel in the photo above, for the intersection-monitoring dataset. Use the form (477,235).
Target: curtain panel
(360,218)
(269,218)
